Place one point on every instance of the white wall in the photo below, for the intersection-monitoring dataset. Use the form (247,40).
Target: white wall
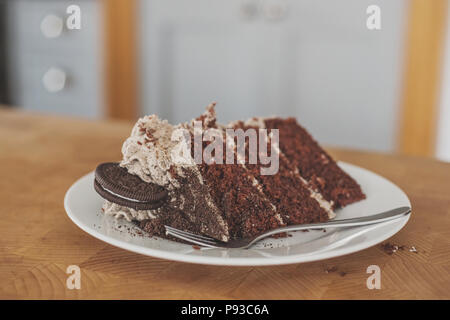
(443,134)
(317,62)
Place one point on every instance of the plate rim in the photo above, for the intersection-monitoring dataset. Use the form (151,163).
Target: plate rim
(238,261)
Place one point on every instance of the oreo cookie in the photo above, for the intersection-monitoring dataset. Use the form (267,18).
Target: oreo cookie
(116,185)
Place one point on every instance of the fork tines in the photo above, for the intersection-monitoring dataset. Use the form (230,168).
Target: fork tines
(191,237)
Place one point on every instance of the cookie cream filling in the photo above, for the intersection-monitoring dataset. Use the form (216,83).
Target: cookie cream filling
(123,197)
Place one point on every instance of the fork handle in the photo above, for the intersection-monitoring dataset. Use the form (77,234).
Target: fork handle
(361,221)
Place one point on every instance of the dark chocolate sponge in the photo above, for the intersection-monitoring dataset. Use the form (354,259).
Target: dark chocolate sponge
(115,184)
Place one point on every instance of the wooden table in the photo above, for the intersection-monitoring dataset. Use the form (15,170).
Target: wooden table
(41,156)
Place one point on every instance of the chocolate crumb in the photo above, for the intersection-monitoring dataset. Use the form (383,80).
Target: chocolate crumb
(280,235)
(331,269)
(342,273)
(391,248)
(413,249)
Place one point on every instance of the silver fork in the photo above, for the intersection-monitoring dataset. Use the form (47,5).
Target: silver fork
(246,243)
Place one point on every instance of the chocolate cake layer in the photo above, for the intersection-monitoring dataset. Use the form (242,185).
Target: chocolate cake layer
(174,218)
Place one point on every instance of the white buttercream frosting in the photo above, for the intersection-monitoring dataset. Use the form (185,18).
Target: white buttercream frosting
(147,153)
(129,214)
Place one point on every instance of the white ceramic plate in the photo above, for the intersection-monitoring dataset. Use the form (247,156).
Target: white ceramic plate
(83,206)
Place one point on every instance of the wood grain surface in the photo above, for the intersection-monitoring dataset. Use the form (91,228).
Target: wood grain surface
(41,156)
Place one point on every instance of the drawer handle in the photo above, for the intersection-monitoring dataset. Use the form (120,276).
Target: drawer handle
(54,80)
(249,10)
(52,26)
(275,10)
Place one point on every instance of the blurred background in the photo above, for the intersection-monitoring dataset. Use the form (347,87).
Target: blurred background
(351,86)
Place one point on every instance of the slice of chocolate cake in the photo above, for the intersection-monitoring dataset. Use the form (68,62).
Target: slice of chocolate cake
(312,162)
(232,199)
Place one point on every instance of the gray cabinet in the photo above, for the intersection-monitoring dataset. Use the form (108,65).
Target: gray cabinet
(51,68)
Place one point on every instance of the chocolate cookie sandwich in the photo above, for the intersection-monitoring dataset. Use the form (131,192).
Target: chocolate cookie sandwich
(236,192)
(115,184)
